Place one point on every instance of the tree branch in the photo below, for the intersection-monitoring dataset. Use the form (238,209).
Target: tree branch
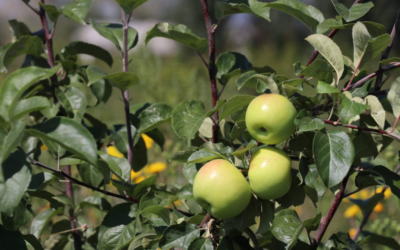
(325,223)
(125,94)
(211,65)
(49,40)
(376,73)
(78,182)
(30,7)
(378,131)
(385,54)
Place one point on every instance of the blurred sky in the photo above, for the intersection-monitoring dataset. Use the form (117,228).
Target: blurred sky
(283,38)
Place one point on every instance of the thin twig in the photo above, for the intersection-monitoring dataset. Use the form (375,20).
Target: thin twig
(395,124)
(53,29)
(385,54)
(378,131)
(125,94)
(30,7)
(222,90)
(325,223)
(75,181)
(309,237)
(202,58)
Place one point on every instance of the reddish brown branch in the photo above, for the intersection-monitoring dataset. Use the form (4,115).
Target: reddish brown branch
(48,38)
(325,223)
(211,65)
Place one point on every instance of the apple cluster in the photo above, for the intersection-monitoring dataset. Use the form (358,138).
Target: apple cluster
(221,188)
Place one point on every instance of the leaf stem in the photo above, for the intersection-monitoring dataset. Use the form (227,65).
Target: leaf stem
(125,94)
(202,59)
(395,124)
(325,223)
(30,7)
(78,182)
(385,54)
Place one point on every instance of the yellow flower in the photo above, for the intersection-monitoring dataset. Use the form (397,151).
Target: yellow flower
(352,211)
(43,147)
(155,168)
(139,179)
(352,232)
(387,193)
(379,208)
(134,174)
(113,151)
(148,141)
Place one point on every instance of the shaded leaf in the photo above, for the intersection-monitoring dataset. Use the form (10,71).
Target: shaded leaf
(179,236)
(232,7)
(73,101)
(355,12)
(129,5)
(235,103)
(286,228)
(77,10)
(305,122)
(76,48)
(31,104)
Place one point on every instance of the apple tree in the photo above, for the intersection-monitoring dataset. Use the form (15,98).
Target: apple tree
(249,160)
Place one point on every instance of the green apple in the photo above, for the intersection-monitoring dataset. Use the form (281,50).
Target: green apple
(270,173)
(221,189)
(270,118)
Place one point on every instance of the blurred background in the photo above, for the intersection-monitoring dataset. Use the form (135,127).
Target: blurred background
(171,73)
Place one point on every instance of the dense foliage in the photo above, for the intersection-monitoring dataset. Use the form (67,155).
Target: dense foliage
(339,129)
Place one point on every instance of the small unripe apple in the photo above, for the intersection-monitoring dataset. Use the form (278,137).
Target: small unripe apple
(221,189)
(270,173)
(270,118)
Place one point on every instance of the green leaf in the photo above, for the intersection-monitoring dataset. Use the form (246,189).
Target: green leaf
(15,85)
(329,24)
(187,118)
(118,227)
(376,46)
(90,175)
(142,187)
(246,218)
(119,166)
(259,9)
(76,48)
(307,14)
(377,110)
(240,152)
(33,241)
(306,122)
(70,135)
(73,101)
(129,5)
(295,196)
(235,103)
(52,12)
(14,240)
(181,156)
(203,156)
(375,239)
(64,199)
(325,88)
(349,109)
(179,33)
(286,228)
(158,216)
(319,69)
(266,216)
(95,201)
(312,224)
(17,175)
(31,45)
(121,80)
(390,178)
(374,29)
(102,90)
(41,180)
(34,103)
(341,240)
(12,140)
(201,244)
(154,116)
(265,83)
(41,220)
(231,64)
(364,145)
(355,12)
(361,39)
(190,170)
(334,155)
(114,33)
(18,218)
(328,49)
(394,97)
(77,10)
(18,29)
(179,236)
